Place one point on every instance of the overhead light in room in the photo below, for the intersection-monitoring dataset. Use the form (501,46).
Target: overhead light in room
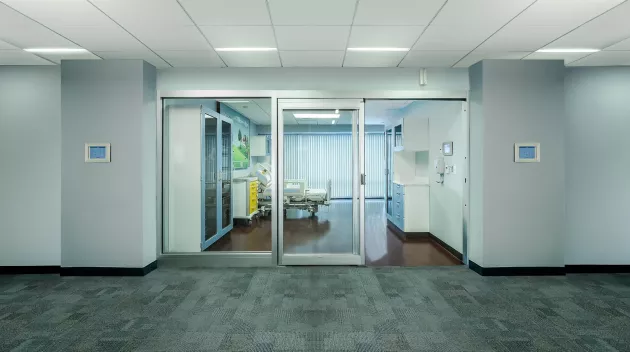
(334,122)
(316,116)
(56,50)
(336,111)
(246,49)
(234,101)
(378,49)
(567,50)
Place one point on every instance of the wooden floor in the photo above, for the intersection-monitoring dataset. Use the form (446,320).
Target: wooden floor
(330,232)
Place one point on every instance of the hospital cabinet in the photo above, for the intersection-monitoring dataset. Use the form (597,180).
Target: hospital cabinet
(412,134)
(410,205)
(245,197)
(259,145)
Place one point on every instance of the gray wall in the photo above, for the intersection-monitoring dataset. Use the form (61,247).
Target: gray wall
(311,78)
(30,165)
(598,165)
(108,209)
(523,203)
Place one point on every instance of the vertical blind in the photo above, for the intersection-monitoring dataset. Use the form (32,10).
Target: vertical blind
(318,158)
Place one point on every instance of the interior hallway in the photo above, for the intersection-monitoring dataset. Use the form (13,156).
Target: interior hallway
(315,309)
(329,232)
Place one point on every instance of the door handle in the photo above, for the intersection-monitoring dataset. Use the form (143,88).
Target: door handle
(362,179)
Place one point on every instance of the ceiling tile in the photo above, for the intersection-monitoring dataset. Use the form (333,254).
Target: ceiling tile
(308,12)
(145,55)
(622,45)
(427,59)
(604,31)
(480,12)
(108,38)
(605,58)
(239,36)
(373,59)
(453,37)
(196,58)
(228,12)
(384,36)
(312,58)
(58,13)
(7,46)
(57,57)
(567,57)
(312,37)
(172,38)
(135,13)
(522,38)
(20,57)
(251,59)
(554,12)
(30,35)
(476,56)
(396,12)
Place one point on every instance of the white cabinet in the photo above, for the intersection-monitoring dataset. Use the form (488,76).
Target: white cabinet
(410,207)
(259,146)
(412,134)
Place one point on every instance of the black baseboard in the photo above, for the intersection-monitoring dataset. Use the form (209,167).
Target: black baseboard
(516,271)
(450,249)
(406,236)
(25,270)
(96,271)
(598,269)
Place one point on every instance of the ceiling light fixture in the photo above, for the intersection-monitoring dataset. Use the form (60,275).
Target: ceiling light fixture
(246,49)
(336,111)
(567,50)
(316,116)
(334,122)
(378,49)
(56,50)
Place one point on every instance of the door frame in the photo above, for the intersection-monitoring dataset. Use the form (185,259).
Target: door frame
(357,257)
(260,259)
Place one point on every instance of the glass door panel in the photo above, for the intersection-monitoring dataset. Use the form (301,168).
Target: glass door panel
(226,218)
(209,186)
(320,184)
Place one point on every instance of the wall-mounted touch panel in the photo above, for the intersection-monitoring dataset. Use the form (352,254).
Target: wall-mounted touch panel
(97,153)
(527,152)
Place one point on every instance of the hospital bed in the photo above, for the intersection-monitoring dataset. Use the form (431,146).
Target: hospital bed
(297,195)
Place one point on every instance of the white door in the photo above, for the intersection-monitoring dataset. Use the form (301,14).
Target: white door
(321,182)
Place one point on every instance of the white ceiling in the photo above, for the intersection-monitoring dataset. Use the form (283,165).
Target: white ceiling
(315,33)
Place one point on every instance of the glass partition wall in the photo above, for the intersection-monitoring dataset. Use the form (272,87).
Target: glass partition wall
(216,175)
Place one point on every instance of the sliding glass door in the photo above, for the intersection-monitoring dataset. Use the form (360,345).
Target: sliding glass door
(321,173)
(216,182)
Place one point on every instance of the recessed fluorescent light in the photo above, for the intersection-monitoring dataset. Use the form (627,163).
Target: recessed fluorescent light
(316,116)
(567,50)
(56,50)
(246,49)
(378,49)
(233,101)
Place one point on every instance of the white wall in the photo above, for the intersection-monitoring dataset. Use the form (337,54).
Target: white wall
(598,165)
(476,163)
(30,165)
(311,78)
(446,123)
(108,209)
(523,203)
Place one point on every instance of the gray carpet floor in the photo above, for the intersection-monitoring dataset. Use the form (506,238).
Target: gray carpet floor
(315,309)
